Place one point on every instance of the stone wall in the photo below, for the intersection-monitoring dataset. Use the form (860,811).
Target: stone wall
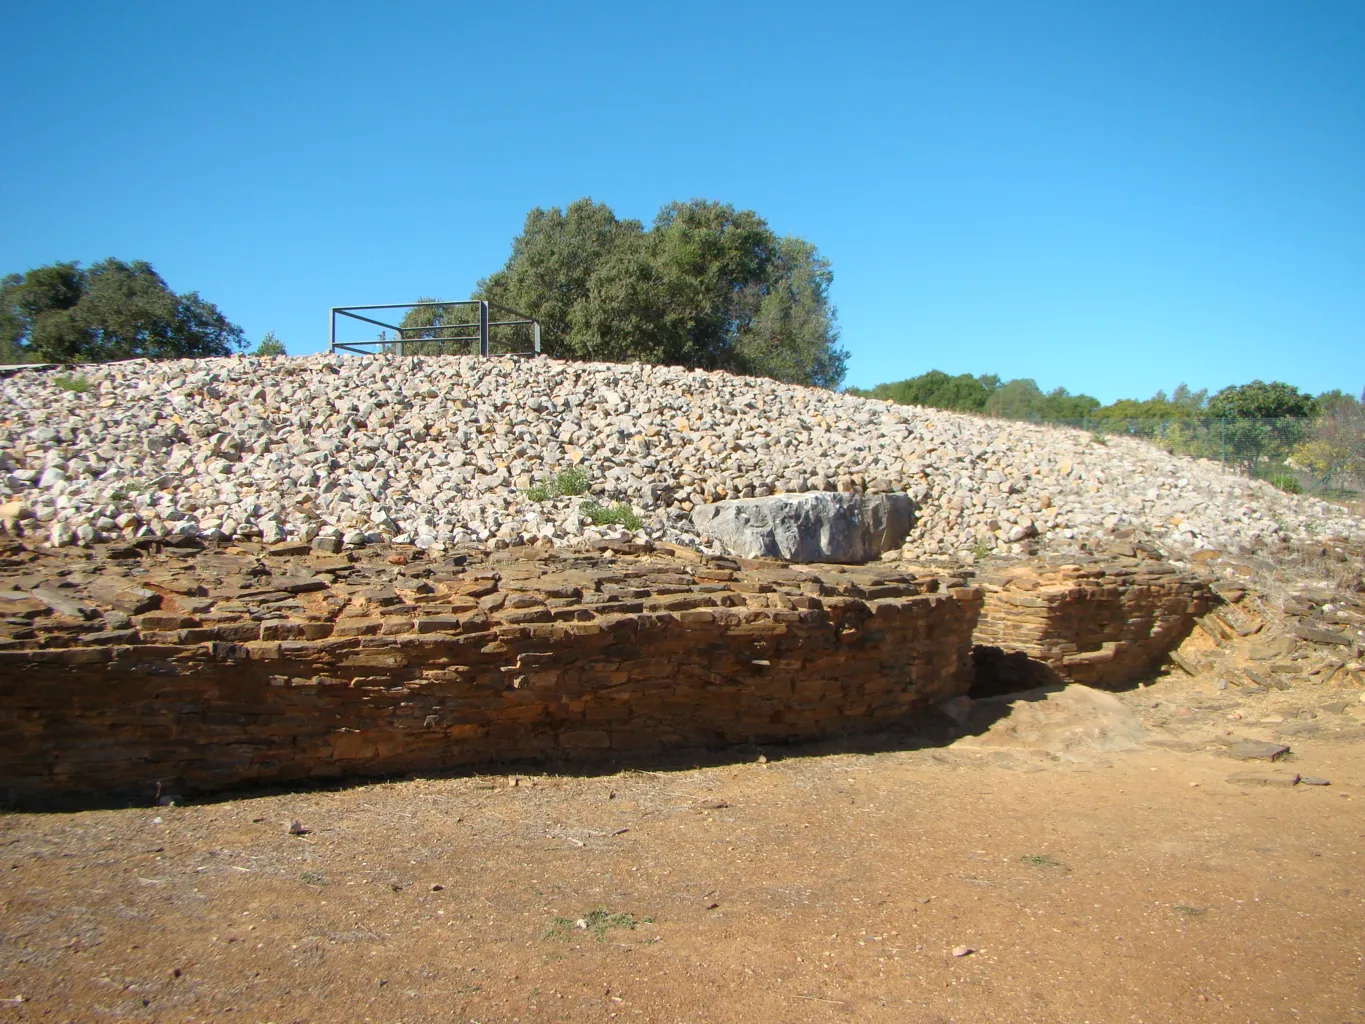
(1102,624)
(138,670)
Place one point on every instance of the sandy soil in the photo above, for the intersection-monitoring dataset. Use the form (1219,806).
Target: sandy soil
(823,883)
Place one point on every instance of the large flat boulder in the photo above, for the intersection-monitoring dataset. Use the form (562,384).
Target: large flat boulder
(817,526)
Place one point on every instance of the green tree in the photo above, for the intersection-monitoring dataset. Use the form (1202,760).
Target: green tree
(792,332)
(1193,402)
(12,325)
(1262,420)
(938,390)
(1336,446)
(706,285)
(552,265)
(270,346)
(1259,400)
(115,310)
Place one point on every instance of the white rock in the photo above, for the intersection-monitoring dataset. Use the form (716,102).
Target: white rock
(431,447)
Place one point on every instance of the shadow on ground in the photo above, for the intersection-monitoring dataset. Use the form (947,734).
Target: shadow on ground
(1015,702)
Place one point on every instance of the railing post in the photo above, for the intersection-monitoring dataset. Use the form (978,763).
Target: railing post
(535,325)
(332,330)
(483,327)
(1223,426)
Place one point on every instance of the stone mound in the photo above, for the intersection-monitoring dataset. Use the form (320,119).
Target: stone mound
(438,452)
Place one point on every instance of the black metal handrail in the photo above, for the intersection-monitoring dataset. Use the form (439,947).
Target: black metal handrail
(424,336)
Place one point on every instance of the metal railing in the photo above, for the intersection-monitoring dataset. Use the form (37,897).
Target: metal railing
(430,339)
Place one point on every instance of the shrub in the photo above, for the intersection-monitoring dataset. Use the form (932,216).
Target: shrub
(568,484)
(270,346)
(619,514)
(1287,482)
(572,482)
(78,384)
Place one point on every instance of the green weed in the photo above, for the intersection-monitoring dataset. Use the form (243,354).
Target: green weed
(313,878)
(619,514)
(567,484)
(595,922)
(1287,482)
(79,384)
(1042,860)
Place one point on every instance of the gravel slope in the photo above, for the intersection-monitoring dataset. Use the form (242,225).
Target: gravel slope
(441,451)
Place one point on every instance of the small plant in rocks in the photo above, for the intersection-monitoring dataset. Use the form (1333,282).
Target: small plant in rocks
(595,922)
(1042,860)
(619,514)
(79,383)
(1287,482)
(567,484)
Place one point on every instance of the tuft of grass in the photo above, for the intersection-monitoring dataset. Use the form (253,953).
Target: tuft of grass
(1181,908)
(1287,482)
(1042,860)
(567,484)
(572,482)
(1099,439)
(313,878)
(79,384)
(619,514)
(980,549)
(595,922)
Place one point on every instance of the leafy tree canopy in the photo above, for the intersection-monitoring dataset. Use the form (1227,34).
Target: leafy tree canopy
(1259,400)
(937,390)
(705,286)
(114,310)
(1016,399)
(1023,399)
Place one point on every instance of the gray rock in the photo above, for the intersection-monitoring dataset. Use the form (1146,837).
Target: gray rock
(1262,779)
(1258,750)
(60,603)
(1279,647)
(817,526)
(1320,636)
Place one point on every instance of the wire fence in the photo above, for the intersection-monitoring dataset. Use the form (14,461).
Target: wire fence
(1320,455)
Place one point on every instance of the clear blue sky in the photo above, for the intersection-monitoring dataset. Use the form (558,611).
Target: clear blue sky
(1113,197)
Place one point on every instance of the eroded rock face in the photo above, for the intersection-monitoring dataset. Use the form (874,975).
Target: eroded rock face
(256,664)
(812,527)
(194,668)
(1103,624)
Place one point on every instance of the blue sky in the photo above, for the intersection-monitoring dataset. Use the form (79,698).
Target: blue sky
(1110,197)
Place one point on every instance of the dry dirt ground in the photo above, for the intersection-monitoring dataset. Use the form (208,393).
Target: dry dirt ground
(825,883)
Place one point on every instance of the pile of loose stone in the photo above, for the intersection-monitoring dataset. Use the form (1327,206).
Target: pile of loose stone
(439,452)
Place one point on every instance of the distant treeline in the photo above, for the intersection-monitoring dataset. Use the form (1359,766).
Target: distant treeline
(1023,399)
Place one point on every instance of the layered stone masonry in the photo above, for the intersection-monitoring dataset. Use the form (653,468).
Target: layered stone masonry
(162,669)
(1100,623)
